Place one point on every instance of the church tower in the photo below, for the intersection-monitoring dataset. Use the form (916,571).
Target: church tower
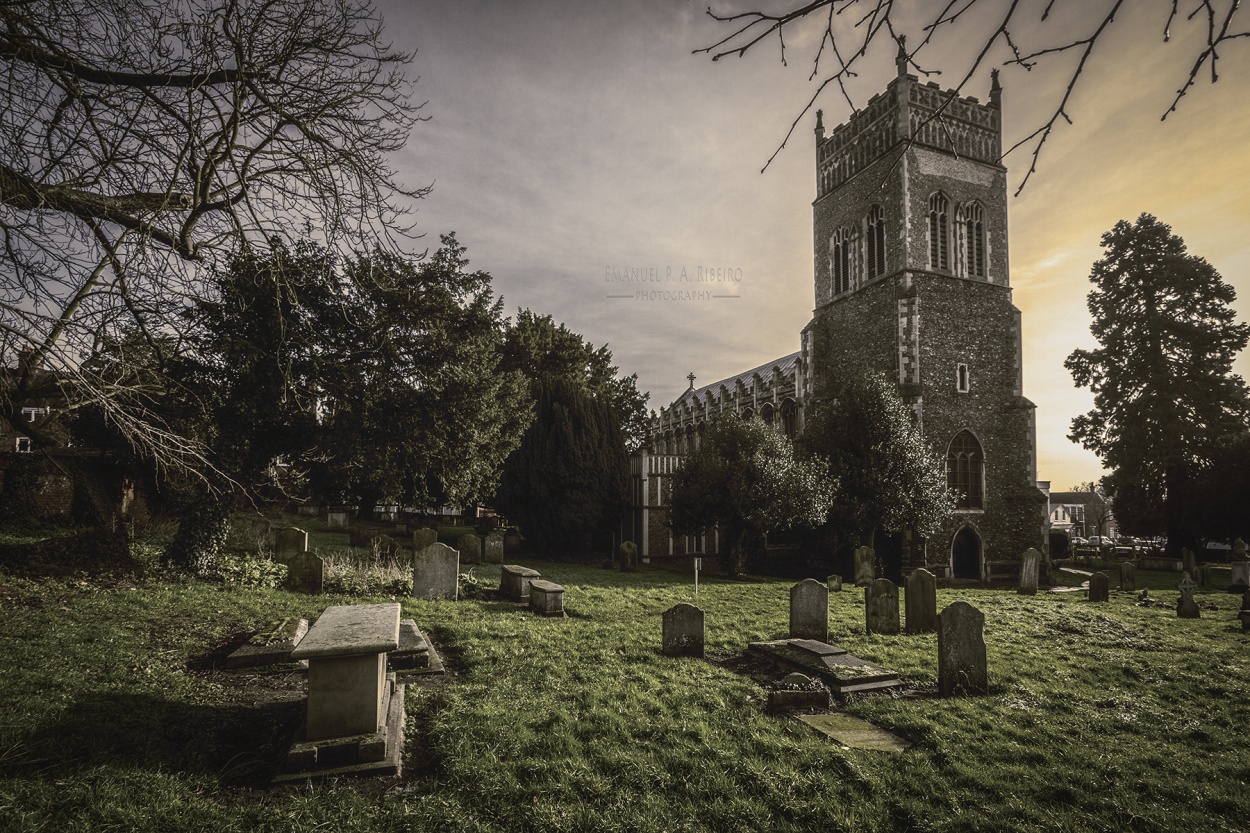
(911,280)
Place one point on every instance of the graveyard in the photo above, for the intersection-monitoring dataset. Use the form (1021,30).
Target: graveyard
(121,713)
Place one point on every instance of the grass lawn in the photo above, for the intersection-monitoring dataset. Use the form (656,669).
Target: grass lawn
(115,716)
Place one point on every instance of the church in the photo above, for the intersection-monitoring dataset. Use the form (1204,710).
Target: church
(911,279)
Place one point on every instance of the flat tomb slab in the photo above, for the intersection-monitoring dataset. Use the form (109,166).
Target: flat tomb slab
(351,630)
(842,671)
(271,646)
(855,733)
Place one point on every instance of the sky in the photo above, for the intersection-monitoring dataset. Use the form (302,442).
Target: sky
(572,144)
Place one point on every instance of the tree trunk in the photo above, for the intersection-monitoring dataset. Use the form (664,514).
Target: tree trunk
(201,536)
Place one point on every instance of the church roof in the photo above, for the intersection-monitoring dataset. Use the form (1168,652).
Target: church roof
(785,365)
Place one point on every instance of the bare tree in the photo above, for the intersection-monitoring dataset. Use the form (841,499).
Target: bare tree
(140,140)
(853,29)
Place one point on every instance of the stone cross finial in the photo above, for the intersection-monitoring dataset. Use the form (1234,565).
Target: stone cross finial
(996,91)
(691,377)
(900,60)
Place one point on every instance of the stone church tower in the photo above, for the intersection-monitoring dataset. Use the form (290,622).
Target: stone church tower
(911,280)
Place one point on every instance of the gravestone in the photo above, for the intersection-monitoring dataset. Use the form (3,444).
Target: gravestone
(546,597)
(1204,575)
(961,650)
(470,547)
(627,556)
(423,537)
(683,631)
(865,566)
(1099,587)
(1190,561)
(1239,551)
(834,583)
(1239,577)
(1128,576)
(289,542)
(1187,608)
(305,573)
(809,610)
(514,582)
(881,607)
(921,602)
(1244,613)
(337,519)
(798,691)
(383,546)
(493,548)
(435,572)
(1029,563)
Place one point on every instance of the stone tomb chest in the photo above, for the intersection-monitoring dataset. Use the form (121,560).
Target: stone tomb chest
(841,671)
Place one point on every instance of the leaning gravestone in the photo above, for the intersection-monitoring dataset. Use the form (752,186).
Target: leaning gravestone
(435,572)
(961,650)
(809,610)
(627,554)
(423,537)
(470,547)
(834,583)
(865,566)
(683,631)
(1029,563)
(921,602)
(289,542)
(305,573)
(881,607)
(493,550)
(1128,576)
(1099,587)
(1187,608)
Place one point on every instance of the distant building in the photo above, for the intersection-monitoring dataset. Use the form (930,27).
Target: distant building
(911,280)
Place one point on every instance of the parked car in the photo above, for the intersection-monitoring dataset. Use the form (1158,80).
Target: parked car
(1078,541)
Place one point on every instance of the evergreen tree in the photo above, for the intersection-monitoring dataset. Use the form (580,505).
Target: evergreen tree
(1164,390)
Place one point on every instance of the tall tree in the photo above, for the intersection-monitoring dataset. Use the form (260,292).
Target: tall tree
(744,478)
(142,141)
(1096,507)
(1164,390)
(888,477)
(569,478)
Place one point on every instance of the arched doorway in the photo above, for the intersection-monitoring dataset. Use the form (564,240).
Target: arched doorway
(966,554)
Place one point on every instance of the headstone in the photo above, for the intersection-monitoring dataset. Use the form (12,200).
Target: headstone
(1187,608)
(1239,577)
(881,607)
(920,601)
(961,650)
(683,631)
(1190,561)
(493,550)
(546,598)
(423,537)
(798,691)
(383,546)
(305,573)
(1029,563)
(865,566)
(336,519)
(435,572)
(1244,613)
(834,583)
(1128,576)
(809,610)
(289,542)
(627,554)
(470,547)
(1204,575)
(514,582)
(1099,587)
(1239,551)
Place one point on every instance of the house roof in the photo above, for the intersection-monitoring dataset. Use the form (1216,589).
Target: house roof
(1075,498)
(785,365)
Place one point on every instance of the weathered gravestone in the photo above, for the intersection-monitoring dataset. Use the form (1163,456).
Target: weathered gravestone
(435,572)
(1128,576)
(809,610)
(865,566)
(514,582)
(627,556)
(921,602)
(383,546)
(289,542)
(881,607)
(1204,575)
(305,573)
(1029,564)
(1244,613)
(423,537)
(961,650)
(493,548)
(1190,560)
(546,597)
(470,547)
(683,631)
(834,583)
(798,691)
(337,519)
(1239,577)
(1186,607)
(1099,587)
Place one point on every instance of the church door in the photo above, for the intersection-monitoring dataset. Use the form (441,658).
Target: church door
(966,554)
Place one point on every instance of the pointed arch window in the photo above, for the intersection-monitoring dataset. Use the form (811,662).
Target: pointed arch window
(965,467)
(874,241)
(972,228)
(841,259)
(939,232)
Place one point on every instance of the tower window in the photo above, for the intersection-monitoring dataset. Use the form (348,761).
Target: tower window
(840,261)
(22,445)
(939,233)
(961,378)
(974,241)
(875,241)
(964,468)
